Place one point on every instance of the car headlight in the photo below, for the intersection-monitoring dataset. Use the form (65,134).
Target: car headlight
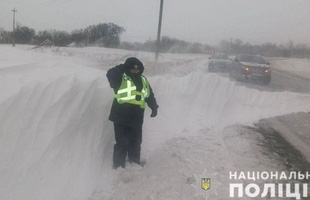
(246,68)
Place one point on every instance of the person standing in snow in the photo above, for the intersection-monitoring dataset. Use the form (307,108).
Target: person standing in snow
(132,93)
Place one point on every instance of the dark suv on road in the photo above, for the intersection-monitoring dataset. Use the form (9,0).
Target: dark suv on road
(245,67)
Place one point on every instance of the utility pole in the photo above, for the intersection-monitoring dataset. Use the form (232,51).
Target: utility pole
(14,11)
(159,27)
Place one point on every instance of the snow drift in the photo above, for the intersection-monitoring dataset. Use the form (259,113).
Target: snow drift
(56,140)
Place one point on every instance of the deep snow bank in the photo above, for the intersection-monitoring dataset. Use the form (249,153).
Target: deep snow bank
(52,139)
(56,140)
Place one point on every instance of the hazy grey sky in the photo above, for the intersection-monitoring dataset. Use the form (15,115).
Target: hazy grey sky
(205,21)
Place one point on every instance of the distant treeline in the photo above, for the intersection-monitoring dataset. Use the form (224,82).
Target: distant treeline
(230,47)
(103,35)
(108,35)
(268,49)
(167,45)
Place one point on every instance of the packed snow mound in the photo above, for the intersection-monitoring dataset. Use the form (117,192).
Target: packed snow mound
(52,137)
(56,141)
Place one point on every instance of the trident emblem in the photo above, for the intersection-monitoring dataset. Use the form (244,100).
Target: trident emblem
(205,183)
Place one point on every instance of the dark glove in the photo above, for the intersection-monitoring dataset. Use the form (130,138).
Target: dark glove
(114,76)
(154,112)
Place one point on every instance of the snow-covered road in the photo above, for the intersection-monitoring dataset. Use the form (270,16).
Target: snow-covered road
(284,80)
(287,75)
(56,140)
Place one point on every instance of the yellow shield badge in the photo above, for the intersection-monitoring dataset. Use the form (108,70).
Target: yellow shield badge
(205,183)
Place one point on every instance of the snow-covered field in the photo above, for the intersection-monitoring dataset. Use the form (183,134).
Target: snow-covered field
(56,141)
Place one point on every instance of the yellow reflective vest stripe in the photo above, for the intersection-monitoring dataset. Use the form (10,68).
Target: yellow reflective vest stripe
(128,91)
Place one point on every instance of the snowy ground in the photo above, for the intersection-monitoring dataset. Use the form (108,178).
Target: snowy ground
(56,141)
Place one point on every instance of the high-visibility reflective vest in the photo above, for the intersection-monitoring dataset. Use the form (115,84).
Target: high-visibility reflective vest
(128,91)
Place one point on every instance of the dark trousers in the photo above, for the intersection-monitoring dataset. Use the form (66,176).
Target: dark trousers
(128,140)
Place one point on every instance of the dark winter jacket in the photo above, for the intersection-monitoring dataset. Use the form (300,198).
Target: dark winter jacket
(128,114)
